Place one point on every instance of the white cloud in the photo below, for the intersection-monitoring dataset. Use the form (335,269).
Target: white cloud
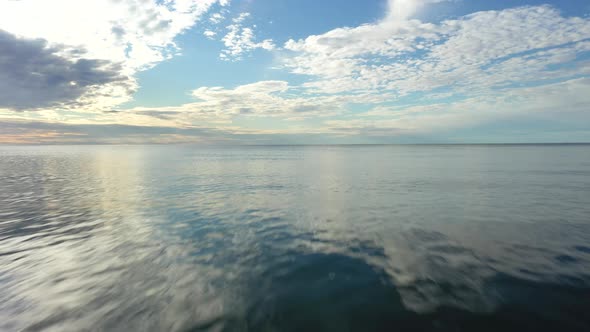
(209,34)
(403,9)
(216,18)
(107,29)
(135,34)
(240,40)
(559,102)
(260,99)
(479,51)
(217,106)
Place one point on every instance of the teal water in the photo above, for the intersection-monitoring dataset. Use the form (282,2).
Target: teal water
(301,238)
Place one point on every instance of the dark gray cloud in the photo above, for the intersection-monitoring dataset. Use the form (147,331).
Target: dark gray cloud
(34,75)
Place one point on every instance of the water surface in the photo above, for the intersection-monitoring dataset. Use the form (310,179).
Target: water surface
(302,238)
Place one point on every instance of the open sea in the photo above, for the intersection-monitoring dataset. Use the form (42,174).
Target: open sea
(295,238)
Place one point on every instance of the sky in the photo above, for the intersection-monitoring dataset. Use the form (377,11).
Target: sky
(294,71)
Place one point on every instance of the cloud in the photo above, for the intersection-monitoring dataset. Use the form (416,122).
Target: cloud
(38,132)
(404,9)
(209,34)
(271,99)
(219,107)
(137,32)
(561,108)
(133,34)
(34,75)
(564,103)
(558,110)
(476,52)
(240,40)
(216,18)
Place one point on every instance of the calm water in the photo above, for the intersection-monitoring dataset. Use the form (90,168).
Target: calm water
(374,238)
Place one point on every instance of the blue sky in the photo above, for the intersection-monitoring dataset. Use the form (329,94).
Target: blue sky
(294,72)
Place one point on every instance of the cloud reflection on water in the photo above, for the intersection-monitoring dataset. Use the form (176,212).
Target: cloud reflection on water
(152,238)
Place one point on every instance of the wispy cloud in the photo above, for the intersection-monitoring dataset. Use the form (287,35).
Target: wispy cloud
(273,99)
(210,34)
(241,40)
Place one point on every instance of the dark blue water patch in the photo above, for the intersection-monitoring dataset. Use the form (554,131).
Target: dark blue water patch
(425,236)
(450,249)
(566,259)
(583,249)
(581,280)
(544,306)
(529,249)
(333,292)
(324,292)
(368,249)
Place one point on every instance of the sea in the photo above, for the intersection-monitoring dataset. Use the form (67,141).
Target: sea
(295,238)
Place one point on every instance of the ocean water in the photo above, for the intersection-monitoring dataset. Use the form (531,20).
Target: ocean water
(295,238)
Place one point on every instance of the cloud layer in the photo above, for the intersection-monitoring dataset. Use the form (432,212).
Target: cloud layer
(479,51)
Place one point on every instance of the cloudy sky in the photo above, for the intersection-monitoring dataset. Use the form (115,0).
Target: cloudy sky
(294,71)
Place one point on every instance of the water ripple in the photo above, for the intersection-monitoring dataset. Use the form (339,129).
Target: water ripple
(294,239)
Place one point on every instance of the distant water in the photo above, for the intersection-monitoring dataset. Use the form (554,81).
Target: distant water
(322,238)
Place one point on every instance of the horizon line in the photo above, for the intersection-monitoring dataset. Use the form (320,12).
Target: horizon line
(286,144)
